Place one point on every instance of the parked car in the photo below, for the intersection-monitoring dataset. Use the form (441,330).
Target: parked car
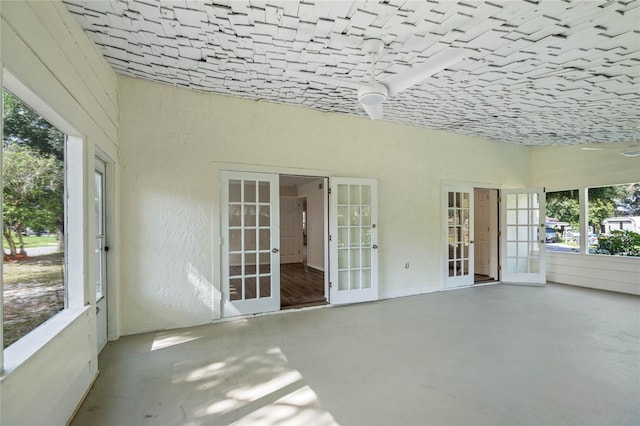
(551,236)
(592,239)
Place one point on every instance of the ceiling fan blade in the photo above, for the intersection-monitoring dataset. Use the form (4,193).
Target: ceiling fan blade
(610,146)
(398,82)
(330,81)
(374,111)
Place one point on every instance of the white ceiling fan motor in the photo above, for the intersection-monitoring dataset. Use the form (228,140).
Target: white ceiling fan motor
(373,93)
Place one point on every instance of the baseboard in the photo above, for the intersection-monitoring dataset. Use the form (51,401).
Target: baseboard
(84,396)
(414,291)
(319,268)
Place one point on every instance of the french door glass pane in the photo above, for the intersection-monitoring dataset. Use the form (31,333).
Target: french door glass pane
(249,239)
(458,233)
(522,249)
(354,236)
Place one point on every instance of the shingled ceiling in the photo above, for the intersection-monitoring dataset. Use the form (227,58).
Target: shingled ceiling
(537,72)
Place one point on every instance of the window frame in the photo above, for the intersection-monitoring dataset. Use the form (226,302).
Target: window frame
(583,198)
(76,302)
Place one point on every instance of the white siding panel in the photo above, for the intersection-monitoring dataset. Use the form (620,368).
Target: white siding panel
(612,273)
(47,387)
(71,44)
(39,41)
(46,51)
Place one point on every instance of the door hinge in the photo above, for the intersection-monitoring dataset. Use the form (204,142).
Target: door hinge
(329,237)
(329,190)
(499,199)
(330,284)
(499,267)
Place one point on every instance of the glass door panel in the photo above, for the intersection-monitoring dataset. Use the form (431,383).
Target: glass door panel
(523,236)
(353,241)
(100,254)
(250,254)
(459,238)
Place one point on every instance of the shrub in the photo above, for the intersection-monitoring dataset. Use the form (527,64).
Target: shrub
(624,243)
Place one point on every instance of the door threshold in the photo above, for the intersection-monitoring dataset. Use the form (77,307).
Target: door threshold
(304,305)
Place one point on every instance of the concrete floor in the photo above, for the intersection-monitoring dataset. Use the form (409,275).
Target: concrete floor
(499,355)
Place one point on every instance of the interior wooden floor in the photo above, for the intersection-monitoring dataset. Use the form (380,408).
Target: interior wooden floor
(480,278)
(300,286)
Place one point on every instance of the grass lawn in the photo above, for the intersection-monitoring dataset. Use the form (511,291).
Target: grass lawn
(33,293)
(33,241)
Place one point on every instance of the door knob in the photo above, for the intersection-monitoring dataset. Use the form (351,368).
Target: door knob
(274,250)
(375,246)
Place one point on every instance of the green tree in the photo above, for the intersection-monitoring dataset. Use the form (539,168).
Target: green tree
(564,209)
(24,126)
(31,192)
(33,172)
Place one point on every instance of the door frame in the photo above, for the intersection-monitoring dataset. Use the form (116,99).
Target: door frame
(111,239)
(494,233)
(444,254)
(217,232)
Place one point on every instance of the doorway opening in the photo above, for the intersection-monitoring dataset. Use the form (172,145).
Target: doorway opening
(486,236)
(303,206)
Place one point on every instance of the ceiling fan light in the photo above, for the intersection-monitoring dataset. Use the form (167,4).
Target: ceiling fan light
(631,153)
(372,94)
(372,98)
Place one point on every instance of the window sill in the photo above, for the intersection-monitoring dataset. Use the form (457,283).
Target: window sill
(29,345)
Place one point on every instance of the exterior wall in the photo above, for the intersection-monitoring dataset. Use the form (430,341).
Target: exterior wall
(47,373)
(170,138)
(569,167)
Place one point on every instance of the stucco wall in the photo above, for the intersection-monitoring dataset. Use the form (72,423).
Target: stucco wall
(569,167)
(47,373)
(170,137)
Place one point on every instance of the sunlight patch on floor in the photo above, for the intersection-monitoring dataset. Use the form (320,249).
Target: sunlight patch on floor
(167,341)
(297,408)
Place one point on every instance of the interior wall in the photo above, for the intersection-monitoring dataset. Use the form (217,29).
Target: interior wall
(171,136)
(315,222)
(42,45)
(570,167)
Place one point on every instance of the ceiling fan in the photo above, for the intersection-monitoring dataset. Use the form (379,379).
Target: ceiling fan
(373,93)
(632,150)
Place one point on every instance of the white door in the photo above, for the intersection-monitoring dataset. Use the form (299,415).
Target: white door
(481,228)
(459,268)
(101,256)
(353,240)
(290,230)
(250,236)
(523,236)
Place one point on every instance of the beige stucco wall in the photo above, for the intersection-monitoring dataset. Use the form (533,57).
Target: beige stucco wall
(170,138)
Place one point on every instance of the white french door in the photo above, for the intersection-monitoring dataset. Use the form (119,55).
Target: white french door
(250,238)
(101,255)
(523,236)
(459,268)
(353,240)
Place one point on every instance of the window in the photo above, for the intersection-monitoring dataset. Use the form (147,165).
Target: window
(34,219)
(562,232)
(614,220)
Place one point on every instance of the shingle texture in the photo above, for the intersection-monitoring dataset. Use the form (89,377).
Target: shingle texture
(536,72)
